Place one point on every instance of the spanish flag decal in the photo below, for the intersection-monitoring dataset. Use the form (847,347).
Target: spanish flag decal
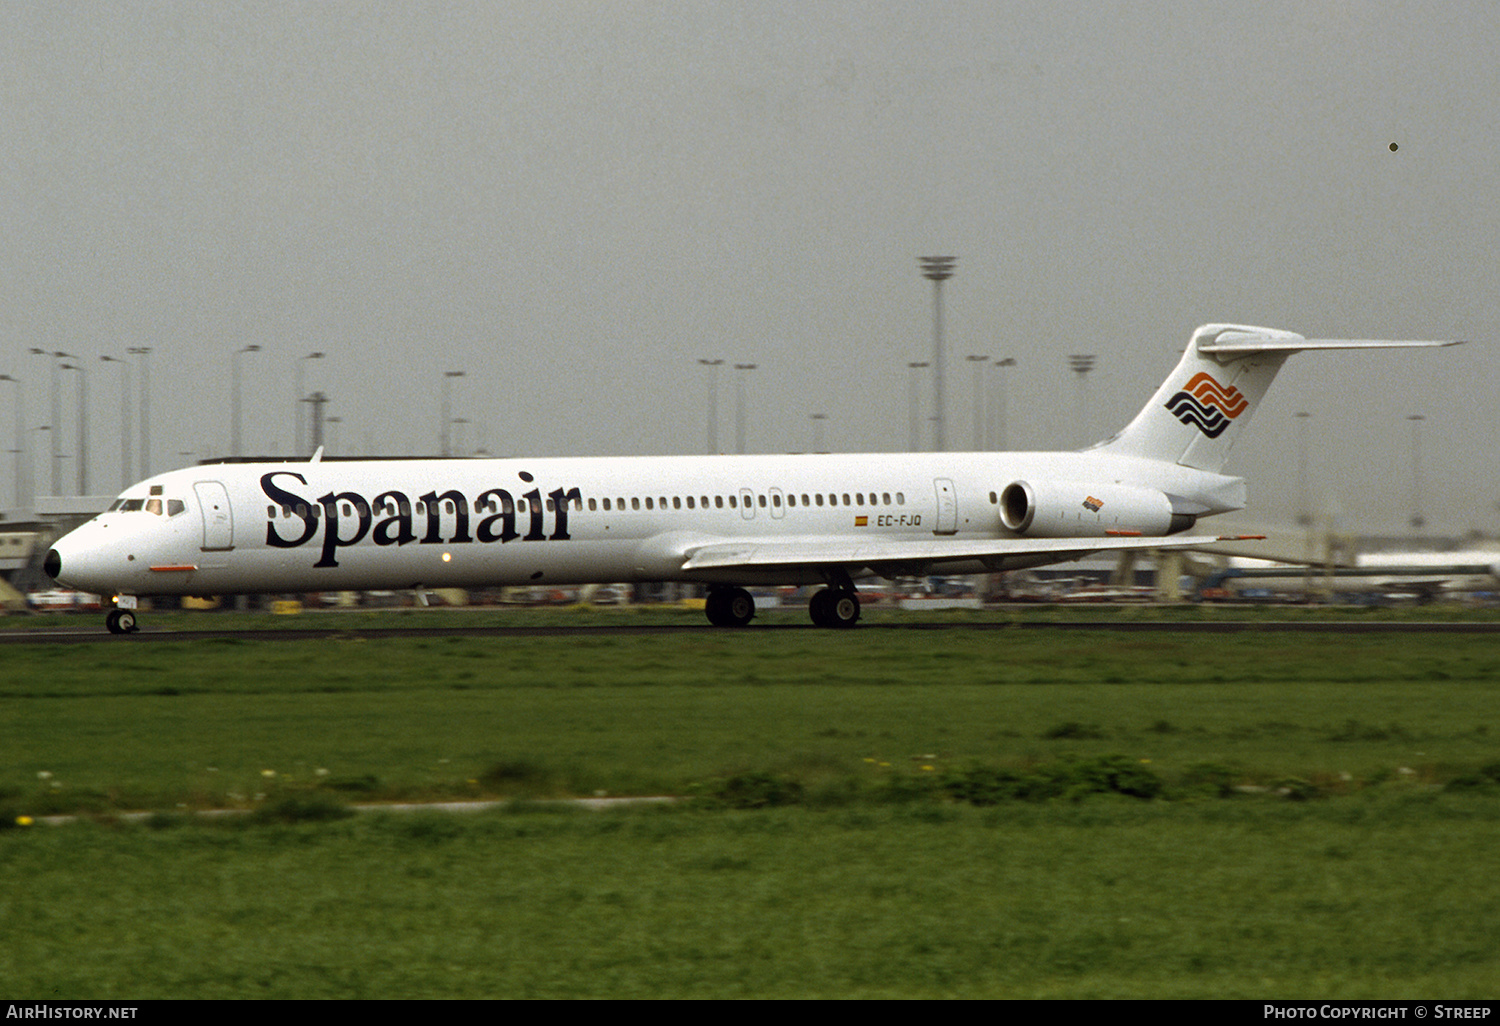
(861,521)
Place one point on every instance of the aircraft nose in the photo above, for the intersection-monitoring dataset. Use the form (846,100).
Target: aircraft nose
(79,563)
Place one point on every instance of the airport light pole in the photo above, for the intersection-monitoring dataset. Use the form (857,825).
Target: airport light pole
(124,416)
(1417,520)
(31,475)
(234,427)
(20,449)
(301,398)
(144,352)
(937,269)
(1081,364)
(83,424)
(448,377)
(713,403)
(818,419)
(978,362)
(739,416)
(914,385)
(999,415)
(57,358)
(316,402)
(42,352)
(1304,511)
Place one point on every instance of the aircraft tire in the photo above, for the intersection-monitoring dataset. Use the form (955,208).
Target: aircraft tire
(120,621)
(843,609)
(834,607)
(817,608)
(729,607)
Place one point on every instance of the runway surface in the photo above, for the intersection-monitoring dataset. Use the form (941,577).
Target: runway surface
(97,634)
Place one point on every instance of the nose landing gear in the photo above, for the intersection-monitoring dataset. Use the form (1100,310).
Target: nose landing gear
(121,621)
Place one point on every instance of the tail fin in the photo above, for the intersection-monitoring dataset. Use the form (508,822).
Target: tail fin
(1199,411)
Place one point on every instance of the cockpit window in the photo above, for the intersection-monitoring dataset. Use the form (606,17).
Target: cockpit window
(158,506)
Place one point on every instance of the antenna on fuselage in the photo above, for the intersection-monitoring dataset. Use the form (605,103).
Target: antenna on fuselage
(317,457)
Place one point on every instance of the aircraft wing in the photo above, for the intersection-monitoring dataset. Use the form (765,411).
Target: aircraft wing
(915,557)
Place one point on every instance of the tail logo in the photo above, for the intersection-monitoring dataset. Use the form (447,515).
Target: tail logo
(1207,405)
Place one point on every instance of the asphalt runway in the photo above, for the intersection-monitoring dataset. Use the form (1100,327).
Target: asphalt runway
(146,635)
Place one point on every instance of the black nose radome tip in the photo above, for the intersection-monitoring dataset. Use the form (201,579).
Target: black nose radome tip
(52,564)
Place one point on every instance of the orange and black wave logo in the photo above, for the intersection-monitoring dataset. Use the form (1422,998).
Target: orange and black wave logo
(1207,405)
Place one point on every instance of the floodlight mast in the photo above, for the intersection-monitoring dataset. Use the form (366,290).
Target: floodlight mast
(938,269)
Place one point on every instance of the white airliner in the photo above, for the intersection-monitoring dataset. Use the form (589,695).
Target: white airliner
(723,521)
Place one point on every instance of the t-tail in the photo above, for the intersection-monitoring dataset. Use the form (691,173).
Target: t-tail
(1199,411)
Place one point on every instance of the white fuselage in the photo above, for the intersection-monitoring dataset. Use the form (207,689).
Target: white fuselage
(381,524)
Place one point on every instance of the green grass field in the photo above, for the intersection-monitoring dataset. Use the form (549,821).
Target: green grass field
(1325,815)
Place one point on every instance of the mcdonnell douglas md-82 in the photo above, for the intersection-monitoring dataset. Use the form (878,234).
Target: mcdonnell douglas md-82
(727,522)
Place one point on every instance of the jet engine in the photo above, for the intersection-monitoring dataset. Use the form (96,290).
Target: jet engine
(1076,509)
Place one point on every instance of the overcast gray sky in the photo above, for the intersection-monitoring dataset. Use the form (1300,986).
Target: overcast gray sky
(574,202)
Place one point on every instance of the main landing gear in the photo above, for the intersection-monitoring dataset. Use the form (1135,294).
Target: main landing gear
(729,607)
(121,621)
(837,606)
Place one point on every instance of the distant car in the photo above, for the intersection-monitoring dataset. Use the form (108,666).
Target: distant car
(61,600)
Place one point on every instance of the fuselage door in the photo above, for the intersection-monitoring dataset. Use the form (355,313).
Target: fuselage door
(947,507)
(747,504)
(777,509)
(218,525)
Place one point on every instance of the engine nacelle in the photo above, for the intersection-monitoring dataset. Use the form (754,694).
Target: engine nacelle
(1075,509)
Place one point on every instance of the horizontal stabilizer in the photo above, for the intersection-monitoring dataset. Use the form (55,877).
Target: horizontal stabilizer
(1252,344)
